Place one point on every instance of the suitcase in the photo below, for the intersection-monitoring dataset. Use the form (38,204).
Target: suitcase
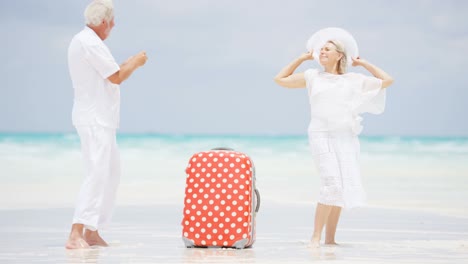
(221,200)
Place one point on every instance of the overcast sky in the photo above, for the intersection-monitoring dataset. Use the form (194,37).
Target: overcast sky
(211,63)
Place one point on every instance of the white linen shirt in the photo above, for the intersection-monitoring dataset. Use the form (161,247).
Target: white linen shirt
(337,100)
(96,99)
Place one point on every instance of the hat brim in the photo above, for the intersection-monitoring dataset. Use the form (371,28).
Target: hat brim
(320,38)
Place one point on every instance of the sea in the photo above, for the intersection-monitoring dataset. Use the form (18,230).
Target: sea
(45,170)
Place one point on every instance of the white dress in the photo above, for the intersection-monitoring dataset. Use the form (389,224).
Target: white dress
(335,103)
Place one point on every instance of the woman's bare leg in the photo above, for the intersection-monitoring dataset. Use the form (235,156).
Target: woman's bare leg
(321,216)
(332,223)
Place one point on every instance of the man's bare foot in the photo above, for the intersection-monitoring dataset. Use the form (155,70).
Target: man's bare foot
(94,239)
(76,243)
(331,243)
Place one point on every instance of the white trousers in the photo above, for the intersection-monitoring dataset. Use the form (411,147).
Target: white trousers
(97,195)
(336,155)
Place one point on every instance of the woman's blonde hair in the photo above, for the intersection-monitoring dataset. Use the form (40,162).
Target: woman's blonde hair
(343,62)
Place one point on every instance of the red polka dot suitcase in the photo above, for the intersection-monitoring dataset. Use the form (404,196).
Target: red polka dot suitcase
(221,200)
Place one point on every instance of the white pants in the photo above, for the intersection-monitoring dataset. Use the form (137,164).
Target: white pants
(336,155)
(97,195)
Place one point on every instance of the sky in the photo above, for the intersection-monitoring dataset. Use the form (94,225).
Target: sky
(211,64)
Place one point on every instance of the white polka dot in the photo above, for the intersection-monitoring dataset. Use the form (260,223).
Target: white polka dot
(198,164)
(218,185)
(197,224)
(239,230)
(235,191)
(233,214)
(208,236)
(187,211)
(225,170)
(241,186)
(241,197)
(189,190)
(194,195)
(216,208)
(208,175)
(225,243)
(229,197)
(248,162)
(215,243)
(229,186)
(236,181)
(246,203)
(209,165)
(236,171)
(188,201)
(214,170)
(215,159)
(239,219)
(231,165)
(215,230)
(232,155)
(210,213)
(201,190)
(217,196)
(203,242)
(226,231)
(215,219)
(209,225)
(203,169)
(196,185)
(246,192)
(237,160)
(187,222)
(246,213)
(247,172)
(220,237)
(234,202)
(204,159)
(244,236)
(194,159)
(192,229)
(203,219)
(247,182)
(205,207)
(213,180)
(185,234)
(211,202)
(223,190)
(228,208)
(221,225)
(224,180)
(191,180)
(202,180)
(227,220)
(220,175)
(200,201)
(223,202)
(194,206)
(220,165)
(203,230)
(243,166)
(221,154)
(212,190)
(242,176)
(193,170)
(232,237)
(221,213)
(198,213)
(240,208)
(231,175)
(226,159)
(205,196)
(192,218)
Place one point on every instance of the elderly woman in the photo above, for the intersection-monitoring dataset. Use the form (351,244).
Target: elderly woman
(336,100)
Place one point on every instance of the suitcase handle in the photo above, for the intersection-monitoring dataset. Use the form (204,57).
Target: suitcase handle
(257,206)
(222,148)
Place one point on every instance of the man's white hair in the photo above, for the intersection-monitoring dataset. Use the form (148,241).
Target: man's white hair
(99,10)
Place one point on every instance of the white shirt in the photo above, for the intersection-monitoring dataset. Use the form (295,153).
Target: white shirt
(96,99)
(337,100)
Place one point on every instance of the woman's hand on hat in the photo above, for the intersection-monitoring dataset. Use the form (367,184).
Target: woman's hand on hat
(358,61)
(306,56)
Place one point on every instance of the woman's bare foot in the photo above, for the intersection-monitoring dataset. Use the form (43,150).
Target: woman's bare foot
(76,243)
(331,243)
(94,239)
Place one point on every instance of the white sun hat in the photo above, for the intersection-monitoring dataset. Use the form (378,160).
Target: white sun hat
(321,37)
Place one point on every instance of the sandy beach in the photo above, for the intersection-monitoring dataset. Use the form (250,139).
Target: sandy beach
(152,234)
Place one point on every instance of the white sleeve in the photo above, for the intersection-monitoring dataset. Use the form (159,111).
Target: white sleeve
(102,60)
(370,95)
(309,76)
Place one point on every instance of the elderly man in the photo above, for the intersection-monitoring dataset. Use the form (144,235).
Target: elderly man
(96,78)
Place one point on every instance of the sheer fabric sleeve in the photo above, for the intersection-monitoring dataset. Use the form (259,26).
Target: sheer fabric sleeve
(370,96)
